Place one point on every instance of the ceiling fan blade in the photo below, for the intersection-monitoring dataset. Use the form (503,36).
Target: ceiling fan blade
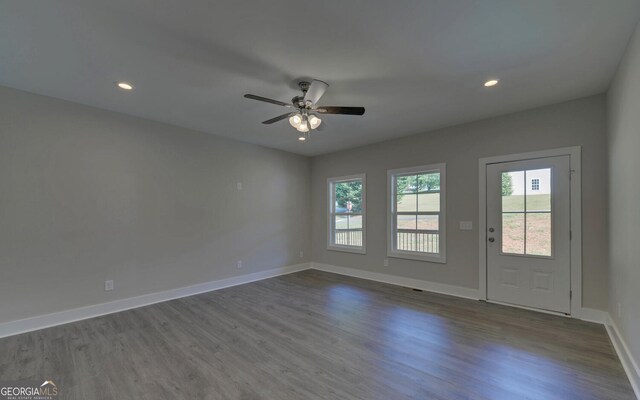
(340,110)
(267,100)
(315,92)
(278,118)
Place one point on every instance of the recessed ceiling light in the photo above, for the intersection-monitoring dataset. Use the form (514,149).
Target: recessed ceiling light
(302,138)
(491,82)
(124,85)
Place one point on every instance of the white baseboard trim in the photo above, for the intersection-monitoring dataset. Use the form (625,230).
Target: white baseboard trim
(593,315)
(63,317)
(428,286)
(626,358)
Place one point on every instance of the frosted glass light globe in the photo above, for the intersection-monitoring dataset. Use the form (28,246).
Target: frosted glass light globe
(314,122)
(295,120)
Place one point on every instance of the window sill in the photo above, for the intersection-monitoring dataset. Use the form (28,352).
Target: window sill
(348,249)
(417,257)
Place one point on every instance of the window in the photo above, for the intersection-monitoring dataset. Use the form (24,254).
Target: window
(347,213)
(416,226)
(527,217)
(535,184)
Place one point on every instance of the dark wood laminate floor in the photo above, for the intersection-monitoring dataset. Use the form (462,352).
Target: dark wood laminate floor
(314,335)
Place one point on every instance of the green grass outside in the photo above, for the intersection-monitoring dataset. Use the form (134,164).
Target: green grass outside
(536,232)
(348,222)
(536,202)
(538,226)
(426,201)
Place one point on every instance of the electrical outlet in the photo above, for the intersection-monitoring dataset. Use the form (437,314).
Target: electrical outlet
(239,185)
(239,264)
(619,310)
(108,286)
(385,263)
(301,254)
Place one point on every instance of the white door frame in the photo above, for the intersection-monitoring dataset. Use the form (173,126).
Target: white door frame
(575,154)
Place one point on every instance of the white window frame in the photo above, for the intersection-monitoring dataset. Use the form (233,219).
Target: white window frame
(392,174)
(331,213)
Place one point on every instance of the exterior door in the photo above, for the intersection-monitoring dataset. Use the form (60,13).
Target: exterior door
(528,233)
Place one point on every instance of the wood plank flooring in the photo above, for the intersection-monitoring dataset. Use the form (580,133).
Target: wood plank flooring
(314,335)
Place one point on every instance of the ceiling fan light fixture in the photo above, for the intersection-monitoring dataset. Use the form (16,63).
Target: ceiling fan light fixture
(295,120)
(304,110)
(302,128)
(314,122)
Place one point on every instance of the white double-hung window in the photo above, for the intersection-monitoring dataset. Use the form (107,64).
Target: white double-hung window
(416,225)
(347,223)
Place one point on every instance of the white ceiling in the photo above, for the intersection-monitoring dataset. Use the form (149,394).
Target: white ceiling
(415,65)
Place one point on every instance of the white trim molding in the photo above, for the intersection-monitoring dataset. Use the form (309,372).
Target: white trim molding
(629,364)
(64,317)
(451,290)
(575,155)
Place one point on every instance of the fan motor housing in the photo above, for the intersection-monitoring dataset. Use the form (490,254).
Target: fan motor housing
(304,86)
(299,102)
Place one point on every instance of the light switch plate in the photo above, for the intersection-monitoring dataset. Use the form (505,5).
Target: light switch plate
(466,225)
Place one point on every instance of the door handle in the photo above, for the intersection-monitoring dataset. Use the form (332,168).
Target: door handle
(492,239)
(491,229)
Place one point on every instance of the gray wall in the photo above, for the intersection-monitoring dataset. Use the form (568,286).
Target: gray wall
(580,122)
(88,195)
(624,192)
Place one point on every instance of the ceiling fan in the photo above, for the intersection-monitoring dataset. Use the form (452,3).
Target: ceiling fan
(304,116)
